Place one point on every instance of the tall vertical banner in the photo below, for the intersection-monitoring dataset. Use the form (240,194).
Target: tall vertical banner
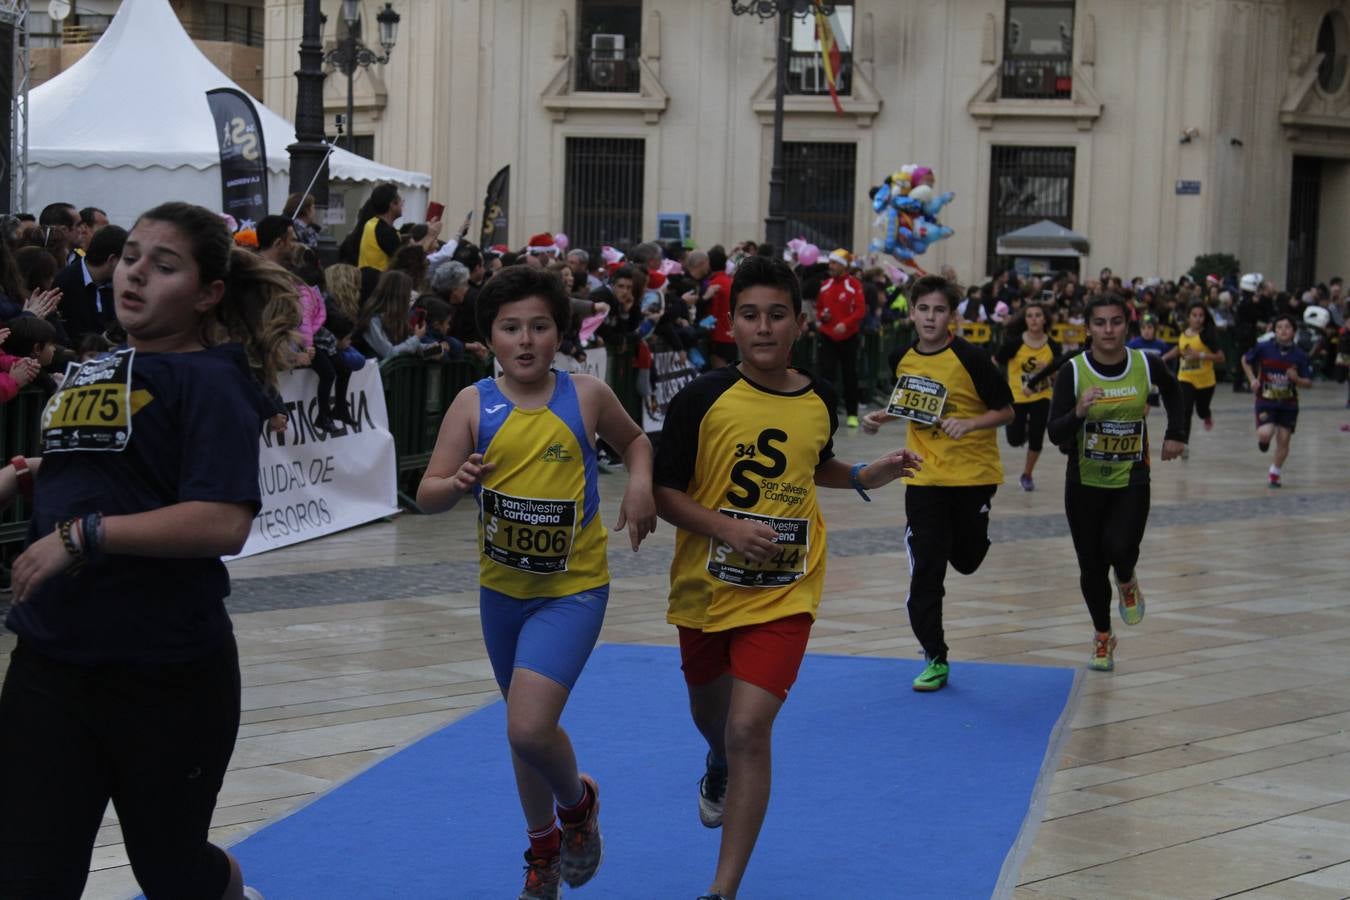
(495,205)
(243,155)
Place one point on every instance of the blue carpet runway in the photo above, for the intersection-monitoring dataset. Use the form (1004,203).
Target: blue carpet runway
(878,792)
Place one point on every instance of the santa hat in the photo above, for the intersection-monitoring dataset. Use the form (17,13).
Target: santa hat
(655,281)
(542,243)
(1213,280)
(499,249)
(611,256)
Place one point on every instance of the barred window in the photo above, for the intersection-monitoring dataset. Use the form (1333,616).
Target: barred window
(818,198)
(1026,185)
(603,200)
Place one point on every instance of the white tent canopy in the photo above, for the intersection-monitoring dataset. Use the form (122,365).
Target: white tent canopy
(128,127)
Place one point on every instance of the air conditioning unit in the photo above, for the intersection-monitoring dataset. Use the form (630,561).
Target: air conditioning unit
(608,74)
(606,47)
(1036,80)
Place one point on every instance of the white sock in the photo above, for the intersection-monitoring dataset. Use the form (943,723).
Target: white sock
(1275,470)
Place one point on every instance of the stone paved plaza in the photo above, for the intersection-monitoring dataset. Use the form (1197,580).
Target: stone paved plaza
(1214,762)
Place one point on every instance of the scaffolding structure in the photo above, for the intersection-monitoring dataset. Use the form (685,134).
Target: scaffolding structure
(14,169)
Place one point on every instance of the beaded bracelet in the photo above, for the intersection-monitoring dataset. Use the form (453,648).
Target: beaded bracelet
(65,529)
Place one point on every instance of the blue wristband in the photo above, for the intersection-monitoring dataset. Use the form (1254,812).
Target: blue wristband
(857,485)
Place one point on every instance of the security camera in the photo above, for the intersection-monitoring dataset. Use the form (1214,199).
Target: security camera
(1236,142)
(1189,135)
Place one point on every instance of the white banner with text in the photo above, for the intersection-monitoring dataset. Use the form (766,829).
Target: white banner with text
(315,483)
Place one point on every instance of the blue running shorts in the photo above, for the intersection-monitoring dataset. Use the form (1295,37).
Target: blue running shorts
(553,636)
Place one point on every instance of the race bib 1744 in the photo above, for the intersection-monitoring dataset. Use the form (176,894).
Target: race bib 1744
(528,534)
(786,565)
(918,399)
(92,410)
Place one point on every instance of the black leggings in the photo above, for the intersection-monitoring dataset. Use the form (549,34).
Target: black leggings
(1028,424)
(332,373)
(842,355)
(154,738)
(1193,400)
(1107,526)
(943,525)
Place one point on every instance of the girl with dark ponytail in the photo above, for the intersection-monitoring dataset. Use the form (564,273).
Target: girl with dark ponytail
(124,684)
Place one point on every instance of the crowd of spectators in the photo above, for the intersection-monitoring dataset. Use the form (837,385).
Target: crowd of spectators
(404,289)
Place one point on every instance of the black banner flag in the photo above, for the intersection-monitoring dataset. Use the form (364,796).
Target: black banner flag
(495,205)
(243,155)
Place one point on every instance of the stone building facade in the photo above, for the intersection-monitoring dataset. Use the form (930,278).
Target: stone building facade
(1160,129)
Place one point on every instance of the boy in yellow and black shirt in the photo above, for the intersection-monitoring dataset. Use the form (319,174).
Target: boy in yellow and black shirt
(954,400)
(742,451)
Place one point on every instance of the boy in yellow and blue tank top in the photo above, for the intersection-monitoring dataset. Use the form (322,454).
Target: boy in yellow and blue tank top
(524,445)
(742,452)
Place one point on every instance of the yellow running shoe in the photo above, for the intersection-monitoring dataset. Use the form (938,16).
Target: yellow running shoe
(1131,601)
(1103,651)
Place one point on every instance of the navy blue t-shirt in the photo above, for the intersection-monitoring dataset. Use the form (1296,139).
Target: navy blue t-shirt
(128,433)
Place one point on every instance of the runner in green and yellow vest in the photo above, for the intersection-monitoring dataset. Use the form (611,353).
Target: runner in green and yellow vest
(1097,414)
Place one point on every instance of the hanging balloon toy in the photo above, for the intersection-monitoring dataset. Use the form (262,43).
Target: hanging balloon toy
(907,207)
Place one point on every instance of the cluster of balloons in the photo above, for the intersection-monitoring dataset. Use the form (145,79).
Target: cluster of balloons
(802,251)
(908,206)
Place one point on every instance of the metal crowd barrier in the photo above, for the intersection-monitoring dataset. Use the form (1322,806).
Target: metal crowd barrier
(417,392)
(19,424)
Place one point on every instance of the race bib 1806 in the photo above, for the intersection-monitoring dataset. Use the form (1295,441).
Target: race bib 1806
(528,534)
(918,399)
(92,410)
(784,567)
(1109,441)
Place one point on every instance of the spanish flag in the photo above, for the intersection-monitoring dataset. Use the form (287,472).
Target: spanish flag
(829,54)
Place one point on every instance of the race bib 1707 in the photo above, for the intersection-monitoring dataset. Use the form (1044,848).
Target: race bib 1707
(528,534)
(92,410)
(918,399)
(1109,441)
(786,565)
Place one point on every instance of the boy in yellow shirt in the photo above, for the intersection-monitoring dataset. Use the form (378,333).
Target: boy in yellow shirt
(742,451)
(953,400)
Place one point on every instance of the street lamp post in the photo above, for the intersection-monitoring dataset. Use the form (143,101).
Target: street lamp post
(351,53)
(775,224)
(310,149)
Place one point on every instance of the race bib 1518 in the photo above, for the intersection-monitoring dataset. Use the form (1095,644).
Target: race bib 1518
(918,399)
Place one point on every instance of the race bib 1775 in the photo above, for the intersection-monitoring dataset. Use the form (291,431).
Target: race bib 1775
(92,410)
